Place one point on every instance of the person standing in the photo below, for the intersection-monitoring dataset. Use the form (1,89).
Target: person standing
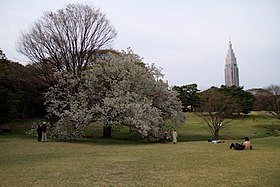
(165,137)
(39,132)
(44,132)
(174,136)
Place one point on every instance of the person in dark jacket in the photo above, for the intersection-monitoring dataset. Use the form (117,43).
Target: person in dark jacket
(165,136)
(39,132)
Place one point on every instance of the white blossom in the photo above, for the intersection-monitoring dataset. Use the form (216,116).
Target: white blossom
(117,90)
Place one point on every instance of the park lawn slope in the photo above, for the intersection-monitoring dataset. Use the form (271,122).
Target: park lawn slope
(25,162)
(254,125)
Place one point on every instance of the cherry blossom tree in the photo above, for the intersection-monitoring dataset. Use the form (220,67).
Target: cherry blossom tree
(117,90)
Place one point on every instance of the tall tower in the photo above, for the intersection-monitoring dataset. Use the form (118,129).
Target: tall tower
(231,69)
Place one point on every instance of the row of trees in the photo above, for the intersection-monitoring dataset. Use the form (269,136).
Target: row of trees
(257,99)
(21,91)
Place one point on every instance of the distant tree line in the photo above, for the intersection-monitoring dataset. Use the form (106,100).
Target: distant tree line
(255,99)
(21,91)
(267,100)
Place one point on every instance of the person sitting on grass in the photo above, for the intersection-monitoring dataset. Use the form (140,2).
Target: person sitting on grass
(246,145)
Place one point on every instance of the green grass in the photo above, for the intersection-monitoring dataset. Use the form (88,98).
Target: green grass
(127,161)
(25,162)
(195,128)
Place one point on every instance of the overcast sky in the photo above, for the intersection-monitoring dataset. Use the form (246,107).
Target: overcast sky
(187,38)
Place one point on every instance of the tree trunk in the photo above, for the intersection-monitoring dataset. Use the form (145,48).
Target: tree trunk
(216,134)
(107,132)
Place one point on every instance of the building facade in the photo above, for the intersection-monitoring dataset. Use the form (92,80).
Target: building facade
(231,69)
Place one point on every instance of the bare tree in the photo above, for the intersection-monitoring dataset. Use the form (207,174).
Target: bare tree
(262,96)
(2,55)
(274,89)
(274,101)
(215,107)
(67,40)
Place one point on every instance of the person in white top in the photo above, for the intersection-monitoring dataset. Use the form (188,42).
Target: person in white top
(174,136)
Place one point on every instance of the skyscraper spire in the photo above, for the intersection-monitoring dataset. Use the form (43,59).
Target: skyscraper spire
(231,69)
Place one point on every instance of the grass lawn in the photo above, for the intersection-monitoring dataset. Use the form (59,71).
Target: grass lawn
(119,162)
(254,125)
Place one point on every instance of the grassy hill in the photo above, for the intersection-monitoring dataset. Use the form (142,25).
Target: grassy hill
(254,125)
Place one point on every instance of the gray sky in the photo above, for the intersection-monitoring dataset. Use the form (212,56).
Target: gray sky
(187,38)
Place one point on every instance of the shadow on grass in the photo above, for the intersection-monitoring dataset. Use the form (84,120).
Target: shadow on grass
(124,136)
(136,140)
(117,139)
